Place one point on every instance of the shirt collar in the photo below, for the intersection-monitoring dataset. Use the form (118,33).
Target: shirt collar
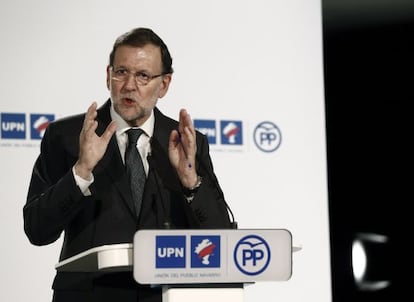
(122,126)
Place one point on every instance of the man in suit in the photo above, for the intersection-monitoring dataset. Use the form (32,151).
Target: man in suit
(80,186)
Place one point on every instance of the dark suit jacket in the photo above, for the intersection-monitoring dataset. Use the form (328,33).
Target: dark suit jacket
(55,204)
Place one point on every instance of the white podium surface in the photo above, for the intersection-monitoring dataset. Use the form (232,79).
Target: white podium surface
(141,256)
(114,257)
(202,294)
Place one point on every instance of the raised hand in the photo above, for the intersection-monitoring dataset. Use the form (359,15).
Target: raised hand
(91,146)
(182,150)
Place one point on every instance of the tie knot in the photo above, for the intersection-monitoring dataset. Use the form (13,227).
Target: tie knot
(133,135)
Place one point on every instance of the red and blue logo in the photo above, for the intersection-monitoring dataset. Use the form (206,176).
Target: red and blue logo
(38,124)
(205,251)
(231,132)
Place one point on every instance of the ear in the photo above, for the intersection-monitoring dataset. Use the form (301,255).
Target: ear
(108,77)
(166,80)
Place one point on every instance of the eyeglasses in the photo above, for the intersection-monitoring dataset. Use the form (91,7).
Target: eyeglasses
(141,78)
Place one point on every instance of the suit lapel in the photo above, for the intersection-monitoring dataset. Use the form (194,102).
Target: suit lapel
(159,146)
(113,167)
(111,164)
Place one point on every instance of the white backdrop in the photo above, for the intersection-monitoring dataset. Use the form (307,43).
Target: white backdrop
(246,61)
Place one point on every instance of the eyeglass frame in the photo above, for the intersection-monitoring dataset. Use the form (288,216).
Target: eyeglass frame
(135,74)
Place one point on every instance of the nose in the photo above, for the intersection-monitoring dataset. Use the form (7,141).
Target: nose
(130,83)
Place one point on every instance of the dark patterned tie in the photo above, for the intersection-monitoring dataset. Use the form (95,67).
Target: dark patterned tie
(135,168)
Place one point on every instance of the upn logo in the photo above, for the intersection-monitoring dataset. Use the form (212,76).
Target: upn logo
(208,128)
(13,125)
(252,255)
(170,252)
(205,251)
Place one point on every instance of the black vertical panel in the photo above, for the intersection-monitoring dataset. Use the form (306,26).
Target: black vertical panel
(368,89)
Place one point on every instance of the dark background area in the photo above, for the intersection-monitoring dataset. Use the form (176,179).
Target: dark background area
(368,69)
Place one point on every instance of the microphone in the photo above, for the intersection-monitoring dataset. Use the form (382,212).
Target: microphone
(233,222)
(209,173)
(166,224)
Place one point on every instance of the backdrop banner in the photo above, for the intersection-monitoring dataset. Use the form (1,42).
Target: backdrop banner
(250,73)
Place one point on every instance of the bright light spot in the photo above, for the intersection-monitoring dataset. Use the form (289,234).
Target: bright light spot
(359,260)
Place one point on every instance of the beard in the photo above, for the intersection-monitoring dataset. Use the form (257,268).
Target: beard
(131,111)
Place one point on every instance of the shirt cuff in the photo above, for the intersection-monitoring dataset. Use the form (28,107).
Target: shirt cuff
(83,184)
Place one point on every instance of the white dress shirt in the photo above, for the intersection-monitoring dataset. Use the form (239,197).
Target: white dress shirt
(143,146)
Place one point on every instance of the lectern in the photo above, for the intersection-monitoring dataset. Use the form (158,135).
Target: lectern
(195,265)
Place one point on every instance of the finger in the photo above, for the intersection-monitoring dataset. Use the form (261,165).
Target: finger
(185,116)
(188,129)
(183,112)
(186,121)
(174,139)
(88,126)
(90,116)
(90,132)
(190,142)
(91,112)
(181,121)
(189,123)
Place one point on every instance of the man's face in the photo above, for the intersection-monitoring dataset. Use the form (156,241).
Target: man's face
(131,101)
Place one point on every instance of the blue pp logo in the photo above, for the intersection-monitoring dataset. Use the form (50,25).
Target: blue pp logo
(208,128)
(267,137)
(38,124)
(205,251)
(231,132)
(13,125)
(170,252)
(252,255)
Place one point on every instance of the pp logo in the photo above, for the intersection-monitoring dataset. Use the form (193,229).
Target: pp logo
(252,255)
(170,252)
(205,251)
(267,137)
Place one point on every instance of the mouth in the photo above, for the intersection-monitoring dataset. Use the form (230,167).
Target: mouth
(128,101)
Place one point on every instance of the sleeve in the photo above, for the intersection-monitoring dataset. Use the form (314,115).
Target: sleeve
(83,184)
(53,197)
(209,207)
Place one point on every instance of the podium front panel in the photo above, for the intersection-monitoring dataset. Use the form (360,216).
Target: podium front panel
(212,256)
